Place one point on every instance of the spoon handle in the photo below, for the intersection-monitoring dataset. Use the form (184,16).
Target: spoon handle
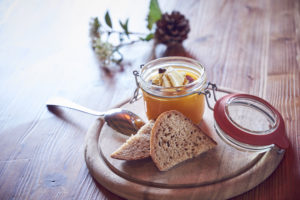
(61,102)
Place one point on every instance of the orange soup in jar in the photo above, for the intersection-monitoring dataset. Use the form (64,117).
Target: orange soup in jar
(173,83)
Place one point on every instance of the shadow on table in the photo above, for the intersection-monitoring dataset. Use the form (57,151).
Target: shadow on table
(160,50)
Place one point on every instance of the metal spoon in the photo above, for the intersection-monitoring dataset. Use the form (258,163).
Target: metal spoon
(120,120)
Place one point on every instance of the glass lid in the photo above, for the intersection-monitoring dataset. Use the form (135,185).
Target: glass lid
(251,116)
(249,122)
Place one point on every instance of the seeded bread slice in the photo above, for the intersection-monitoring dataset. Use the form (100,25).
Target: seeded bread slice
(175,138)
(137,146)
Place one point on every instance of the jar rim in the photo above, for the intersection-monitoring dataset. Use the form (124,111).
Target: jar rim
(239,145)
(174,92)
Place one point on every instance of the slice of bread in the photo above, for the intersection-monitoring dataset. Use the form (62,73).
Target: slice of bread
(137,146)
(175,138)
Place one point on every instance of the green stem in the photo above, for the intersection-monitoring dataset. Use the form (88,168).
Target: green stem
(128,43)
(130,33)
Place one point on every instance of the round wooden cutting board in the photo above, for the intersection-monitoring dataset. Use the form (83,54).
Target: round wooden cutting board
(220,173)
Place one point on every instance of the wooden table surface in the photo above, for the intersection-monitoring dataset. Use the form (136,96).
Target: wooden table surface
(45,51)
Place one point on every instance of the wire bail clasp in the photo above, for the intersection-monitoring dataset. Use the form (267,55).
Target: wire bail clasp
(136,95)
(206,92)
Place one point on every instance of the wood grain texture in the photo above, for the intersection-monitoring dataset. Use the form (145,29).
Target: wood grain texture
(251,46)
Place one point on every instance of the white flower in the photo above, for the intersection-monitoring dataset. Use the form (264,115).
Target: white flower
(104,50)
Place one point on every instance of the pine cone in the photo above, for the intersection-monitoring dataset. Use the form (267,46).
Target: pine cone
(172,28)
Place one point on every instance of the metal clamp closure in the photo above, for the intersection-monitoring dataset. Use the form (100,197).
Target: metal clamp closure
(136,95)
(206,92)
